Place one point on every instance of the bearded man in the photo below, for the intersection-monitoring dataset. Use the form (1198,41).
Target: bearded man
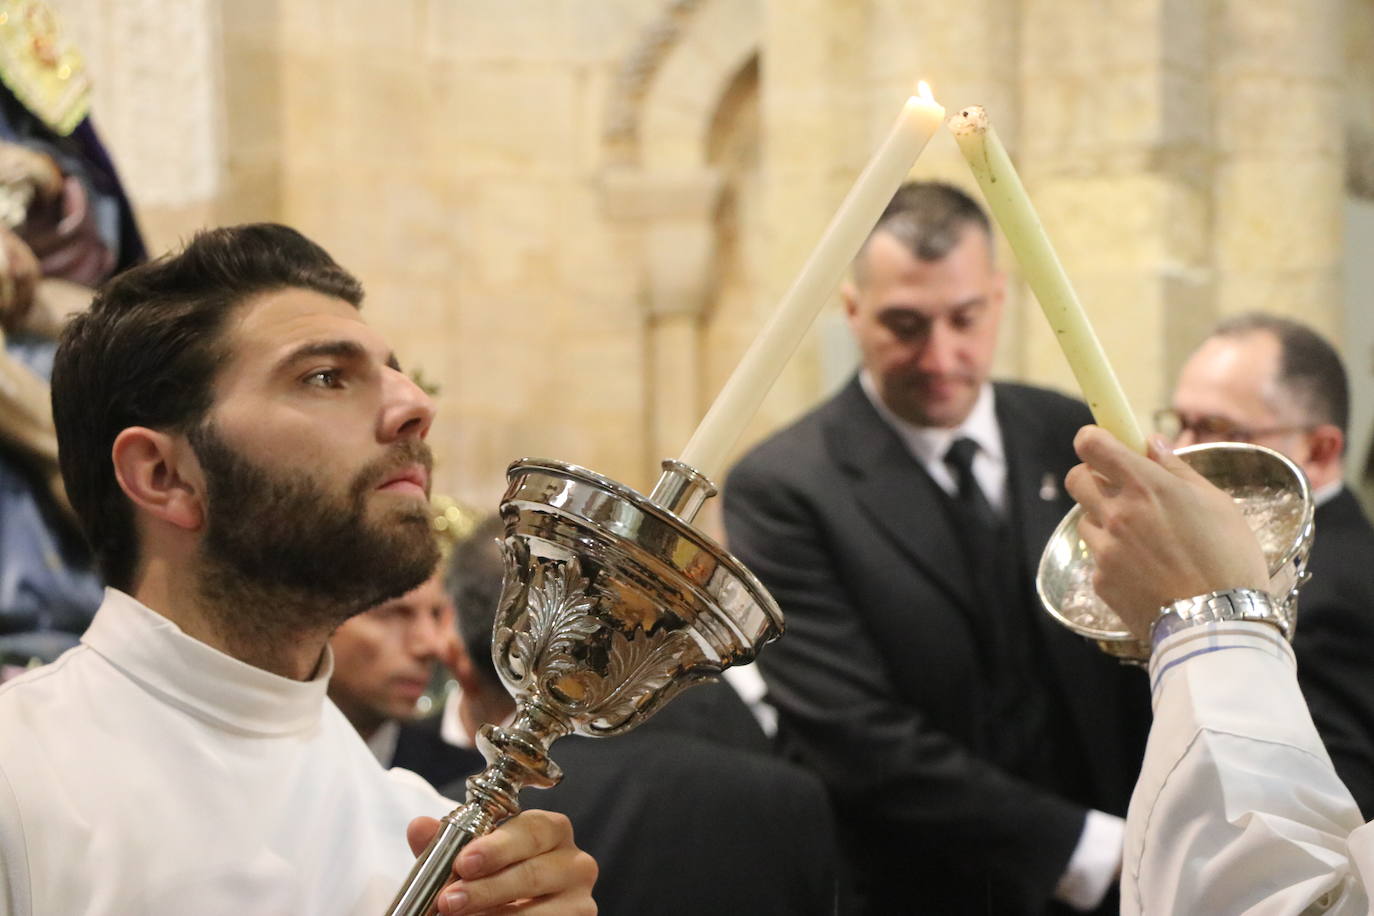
(249,466)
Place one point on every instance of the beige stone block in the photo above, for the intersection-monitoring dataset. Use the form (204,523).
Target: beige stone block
(388,33)
(381,113)
(166,228)
(1101,223)
(1293,38)
(632,194)
(505,119)
(1106,113)
(1311,296)
(1278,214)
(1266,113)
(1130,221)
(543,31)
(253,101)
(510,248)
(252,194)
(308,107)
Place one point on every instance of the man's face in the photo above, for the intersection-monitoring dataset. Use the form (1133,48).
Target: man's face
(383,657)
(1228,391)
(316,470)
(928,329)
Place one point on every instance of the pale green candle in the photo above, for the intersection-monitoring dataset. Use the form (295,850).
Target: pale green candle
(1011,207)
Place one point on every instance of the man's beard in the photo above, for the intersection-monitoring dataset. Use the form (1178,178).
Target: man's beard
(281,554)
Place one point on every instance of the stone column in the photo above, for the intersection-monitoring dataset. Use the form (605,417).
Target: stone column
(1280,136)
(675,217)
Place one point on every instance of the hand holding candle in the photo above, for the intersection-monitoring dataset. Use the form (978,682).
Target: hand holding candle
(763,361)
(1007,199)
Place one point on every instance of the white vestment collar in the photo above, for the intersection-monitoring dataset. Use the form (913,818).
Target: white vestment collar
(201,680)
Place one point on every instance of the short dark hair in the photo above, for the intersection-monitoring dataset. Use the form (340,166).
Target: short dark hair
(473,580)
(929,218)
(147,351)
(1310,369)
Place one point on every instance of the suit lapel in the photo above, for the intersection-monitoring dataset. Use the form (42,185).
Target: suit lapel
(1035,485)
(895,492)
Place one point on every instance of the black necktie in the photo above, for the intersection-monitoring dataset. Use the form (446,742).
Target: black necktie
(970,499)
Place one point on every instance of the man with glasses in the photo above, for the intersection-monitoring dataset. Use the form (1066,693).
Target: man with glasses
(1274,382)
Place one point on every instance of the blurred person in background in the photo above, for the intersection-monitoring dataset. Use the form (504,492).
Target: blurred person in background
(65,226)
(1275,382)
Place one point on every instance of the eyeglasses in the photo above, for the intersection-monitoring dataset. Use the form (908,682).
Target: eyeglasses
(1172,424)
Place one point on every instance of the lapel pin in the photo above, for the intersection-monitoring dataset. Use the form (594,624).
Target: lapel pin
(1049,487)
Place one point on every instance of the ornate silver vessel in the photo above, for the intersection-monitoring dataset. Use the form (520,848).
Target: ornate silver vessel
(612,604)
(1276,499)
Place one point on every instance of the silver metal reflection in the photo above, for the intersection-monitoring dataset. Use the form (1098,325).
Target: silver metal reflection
(612,605)
(1271,491)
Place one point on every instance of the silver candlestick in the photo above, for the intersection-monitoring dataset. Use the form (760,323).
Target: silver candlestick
(612,604)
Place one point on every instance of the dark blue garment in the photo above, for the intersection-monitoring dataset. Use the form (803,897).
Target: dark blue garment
(49,589)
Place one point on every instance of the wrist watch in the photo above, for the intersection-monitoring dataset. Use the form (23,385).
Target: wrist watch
(1215,607)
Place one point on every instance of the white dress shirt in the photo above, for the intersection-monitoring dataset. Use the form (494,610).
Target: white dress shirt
(1238,809)
(1096,857)
(146,772)
(928,444)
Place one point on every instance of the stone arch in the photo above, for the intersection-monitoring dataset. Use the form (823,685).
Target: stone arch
(688,67)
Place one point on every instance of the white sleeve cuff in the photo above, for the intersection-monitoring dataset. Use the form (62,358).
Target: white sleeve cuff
(1095,863)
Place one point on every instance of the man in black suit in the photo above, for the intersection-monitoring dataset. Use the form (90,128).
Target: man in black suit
(687,814)
(1272,381)
(978,754)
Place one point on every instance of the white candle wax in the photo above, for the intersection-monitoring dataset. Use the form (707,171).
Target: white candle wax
(1010,205)
(739,399)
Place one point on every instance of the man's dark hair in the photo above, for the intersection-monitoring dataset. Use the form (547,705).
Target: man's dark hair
(929,218)
(147,351)
(1310,369)
(473,580)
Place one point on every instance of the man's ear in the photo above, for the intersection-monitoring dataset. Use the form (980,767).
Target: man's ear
(849,295)
(1326,446)
(160,475)
(464,671)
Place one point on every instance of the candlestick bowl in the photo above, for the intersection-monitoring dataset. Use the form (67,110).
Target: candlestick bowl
(612,604)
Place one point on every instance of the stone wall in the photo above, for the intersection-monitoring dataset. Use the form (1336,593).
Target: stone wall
(573,215)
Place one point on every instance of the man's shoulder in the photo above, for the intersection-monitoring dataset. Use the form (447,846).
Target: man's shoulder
(1341,547)
(44,687)
(799,445)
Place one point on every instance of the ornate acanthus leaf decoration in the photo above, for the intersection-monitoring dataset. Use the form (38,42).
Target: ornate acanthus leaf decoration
(556,621)
(647,669)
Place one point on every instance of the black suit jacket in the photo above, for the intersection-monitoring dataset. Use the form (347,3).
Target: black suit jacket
(690,814)
(420,747)
(1334,642)
(877,677)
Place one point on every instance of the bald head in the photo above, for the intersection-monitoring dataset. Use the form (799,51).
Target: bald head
(1268,380)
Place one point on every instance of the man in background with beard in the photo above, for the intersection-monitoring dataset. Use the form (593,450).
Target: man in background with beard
(249,466)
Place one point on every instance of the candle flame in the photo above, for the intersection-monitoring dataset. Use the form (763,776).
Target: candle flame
(923,90)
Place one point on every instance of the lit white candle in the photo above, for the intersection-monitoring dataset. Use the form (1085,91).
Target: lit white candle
(1010,205)
(763,361)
